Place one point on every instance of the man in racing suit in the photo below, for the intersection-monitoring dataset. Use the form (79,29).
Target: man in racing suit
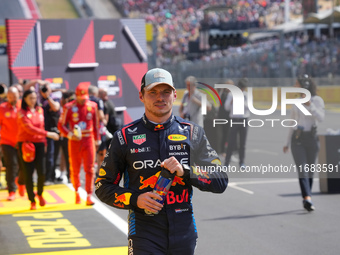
(84,113)
(139,150)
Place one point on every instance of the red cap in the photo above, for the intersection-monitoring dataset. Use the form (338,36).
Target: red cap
(82,90)
(28,151)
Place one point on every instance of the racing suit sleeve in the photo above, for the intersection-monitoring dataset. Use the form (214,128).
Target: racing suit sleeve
(110,174)
(62,123)
(206,171)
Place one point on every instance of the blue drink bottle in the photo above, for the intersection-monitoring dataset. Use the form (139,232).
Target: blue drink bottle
(162,186)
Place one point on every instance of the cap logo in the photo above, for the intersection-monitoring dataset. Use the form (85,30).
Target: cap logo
(159,75)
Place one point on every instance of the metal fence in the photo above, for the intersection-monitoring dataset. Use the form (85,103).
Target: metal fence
(267,66)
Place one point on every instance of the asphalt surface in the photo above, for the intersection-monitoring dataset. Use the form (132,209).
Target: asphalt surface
(255,215)
(258,214)
(263,214)
(10,10)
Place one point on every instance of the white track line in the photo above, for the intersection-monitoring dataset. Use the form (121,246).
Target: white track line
(266,182)
(104,211)
(264,152)
(234,186)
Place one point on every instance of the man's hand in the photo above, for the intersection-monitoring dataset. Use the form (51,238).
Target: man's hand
(173,166)
(147,201)
(45,94)
(53,135)
(75,137)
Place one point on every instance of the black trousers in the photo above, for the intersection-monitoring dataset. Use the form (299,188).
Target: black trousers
(13,169)
(144,246)
(50,163)
(239,129)
(63,144)
(39,164)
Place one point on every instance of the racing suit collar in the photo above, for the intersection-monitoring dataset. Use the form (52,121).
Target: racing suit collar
(156,126)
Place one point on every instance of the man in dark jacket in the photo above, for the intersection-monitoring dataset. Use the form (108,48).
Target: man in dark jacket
(139,150)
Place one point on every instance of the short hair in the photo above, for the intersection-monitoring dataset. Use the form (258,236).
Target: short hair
(242,83)
(307,82)
(93,90)
(68,94)
(192,80)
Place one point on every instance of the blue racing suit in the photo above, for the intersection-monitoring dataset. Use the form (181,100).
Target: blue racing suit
(136,152)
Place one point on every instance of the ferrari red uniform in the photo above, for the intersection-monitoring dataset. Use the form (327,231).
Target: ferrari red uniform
(83,151)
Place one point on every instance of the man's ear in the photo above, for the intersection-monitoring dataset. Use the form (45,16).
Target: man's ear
(175,95)
(141,97)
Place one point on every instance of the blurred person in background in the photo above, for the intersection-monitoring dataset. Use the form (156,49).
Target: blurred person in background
(191,104)
(223,114)
(62,144)
(113,122)
(93,96)
(20,89)
(79,122)
(9,130)
(3,93)
(51,106)
(303,139)
(238,125)
(32,129)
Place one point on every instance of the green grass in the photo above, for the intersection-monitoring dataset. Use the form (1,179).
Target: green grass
(57,9)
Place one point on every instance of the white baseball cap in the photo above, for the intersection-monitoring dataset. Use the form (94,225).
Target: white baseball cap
(155,77)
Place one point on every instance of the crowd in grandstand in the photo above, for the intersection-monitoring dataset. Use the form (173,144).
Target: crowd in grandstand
(178,22)
(300,54)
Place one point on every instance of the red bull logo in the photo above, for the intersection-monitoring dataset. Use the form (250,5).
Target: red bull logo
(201,172)
(177,180)
(123,198)
(178,198)
(159,127)
(149,182)
(161,193)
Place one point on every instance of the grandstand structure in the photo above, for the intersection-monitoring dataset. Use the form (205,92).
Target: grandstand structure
(233,39)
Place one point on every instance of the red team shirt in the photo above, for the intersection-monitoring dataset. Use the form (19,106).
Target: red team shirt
(8,123)
(31,126)
(85,116)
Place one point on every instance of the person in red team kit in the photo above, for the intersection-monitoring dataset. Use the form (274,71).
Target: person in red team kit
(32,129)
(81,114)
(9,130)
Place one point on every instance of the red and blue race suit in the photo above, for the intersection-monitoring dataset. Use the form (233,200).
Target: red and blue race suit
(136,153)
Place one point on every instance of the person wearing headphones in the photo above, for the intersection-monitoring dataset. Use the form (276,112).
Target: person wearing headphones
(303,138)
